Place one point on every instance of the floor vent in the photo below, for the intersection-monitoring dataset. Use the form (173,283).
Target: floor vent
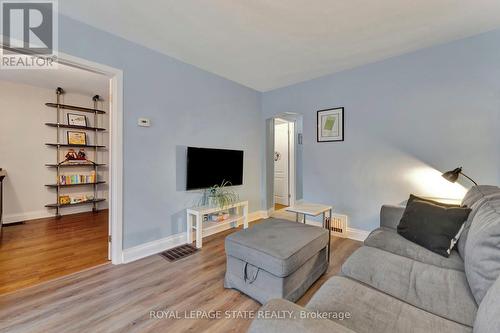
(179,252)
(339,225)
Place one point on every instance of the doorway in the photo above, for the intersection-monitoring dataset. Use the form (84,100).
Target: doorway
(53,246)
(284,163)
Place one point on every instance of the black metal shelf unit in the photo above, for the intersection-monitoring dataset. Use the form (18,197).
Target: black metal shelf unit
(74,108)
(73,145)
(58,145)
(56,205)
(87,128)
(77,184)
(69,165)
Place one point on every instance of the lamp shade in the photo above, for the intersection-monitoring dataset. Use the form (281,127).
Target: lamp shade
(452,175)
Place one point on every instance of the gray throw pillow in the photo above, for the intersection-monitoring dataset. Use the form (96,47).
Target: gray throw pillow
(434,227)
(414,197)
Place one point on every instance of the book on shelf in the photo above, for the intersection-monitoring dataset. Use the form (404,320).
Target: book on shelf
(71,179)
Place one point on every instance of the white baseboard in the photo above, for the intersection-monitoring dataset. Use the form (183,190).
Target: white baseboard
(160,245)
(154,247)
(260,214)
(13,218)
(357,234)
(41,214)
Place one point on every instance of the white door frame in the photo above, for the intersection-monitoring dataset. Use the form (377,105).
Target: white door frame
(291,161)
(115,77)
(282,176)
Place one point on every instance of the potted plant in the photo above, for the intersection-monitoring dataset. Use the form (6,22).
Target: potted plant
(220,196)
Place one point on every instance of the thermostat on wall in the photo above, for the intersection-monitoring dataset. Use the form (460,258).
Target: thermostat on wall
(144,122)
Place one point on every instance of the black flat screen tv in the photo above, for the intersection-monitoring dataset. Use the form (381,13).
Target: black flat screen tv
(207,167)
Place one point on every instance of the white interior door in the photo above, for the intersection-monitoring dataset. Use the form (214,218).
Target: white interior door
(281,156)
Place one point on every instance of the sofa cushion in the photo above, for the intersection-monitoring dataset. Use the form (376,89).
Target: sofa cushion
(390,216)
(277,246)
(465,232)
(476,193)
(441,291)
(293,319)
(388,239)
(482,250)
(474,199)
(375,312)
(488,319)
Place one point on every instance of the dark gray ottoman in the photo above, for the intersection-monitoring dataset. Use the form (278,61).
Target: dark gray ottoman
(276,259)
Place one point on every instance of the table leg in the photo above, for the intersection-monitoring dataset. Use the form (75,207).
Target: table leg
(245,216)
(189,232)
(329,225)
(296,217)
(304,218)
(199,232)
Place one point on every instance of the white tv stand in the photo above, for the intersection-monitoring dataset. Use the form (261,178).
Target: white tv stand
(238,215)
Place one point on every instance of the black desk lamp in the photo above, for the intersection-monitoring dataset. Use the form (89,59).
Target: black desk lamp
(453,175)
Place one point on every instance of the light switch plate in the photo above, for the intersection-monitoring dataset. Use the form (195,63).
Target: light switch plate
(144,122)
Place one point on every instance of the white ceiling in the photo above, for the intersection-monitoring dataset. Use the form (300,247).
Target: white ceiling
(74,80)
(266,44)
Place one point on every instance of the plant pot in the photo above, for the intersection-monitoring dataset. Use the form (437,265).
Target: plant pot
(212,201)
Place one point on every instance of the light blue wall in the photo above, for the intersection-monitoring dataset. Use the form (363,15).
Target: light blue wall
(438,107)
(187,107)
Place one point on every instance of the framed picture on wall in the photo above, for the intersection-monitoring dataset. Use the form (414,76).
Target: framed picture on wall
(77,119)
(330,125)
(77,138)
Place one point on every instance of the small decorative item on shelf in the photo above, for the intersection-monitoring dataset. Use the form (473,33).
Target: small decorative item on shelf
(78,199)
(81,198)
(81,156)
(77,119)
(72,157)
(219,217)
(219,196)
(77,138)
(64,200)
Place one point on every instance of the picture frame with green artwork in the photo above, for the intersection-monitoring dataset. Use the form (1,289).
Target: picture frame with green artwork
(330,125)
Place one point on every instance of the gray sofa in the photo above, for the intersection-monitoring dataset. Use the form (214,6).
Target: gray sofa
(393,285)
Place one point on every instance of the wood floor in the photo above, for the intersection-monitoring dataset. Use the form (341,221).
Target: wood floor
(278,206)
(119,298)
(44,249)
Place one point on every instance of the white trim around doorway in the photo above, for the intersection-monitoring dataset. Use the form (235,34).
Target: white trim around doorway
(292,160)
(115,77)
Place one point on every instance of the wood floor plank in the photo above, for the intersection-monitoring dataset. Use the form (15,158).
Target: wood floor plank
(119,298)
(41,250)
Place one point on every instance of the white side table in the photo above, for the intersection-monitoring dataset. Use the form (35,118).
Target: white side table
(313,209)
(238,214)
